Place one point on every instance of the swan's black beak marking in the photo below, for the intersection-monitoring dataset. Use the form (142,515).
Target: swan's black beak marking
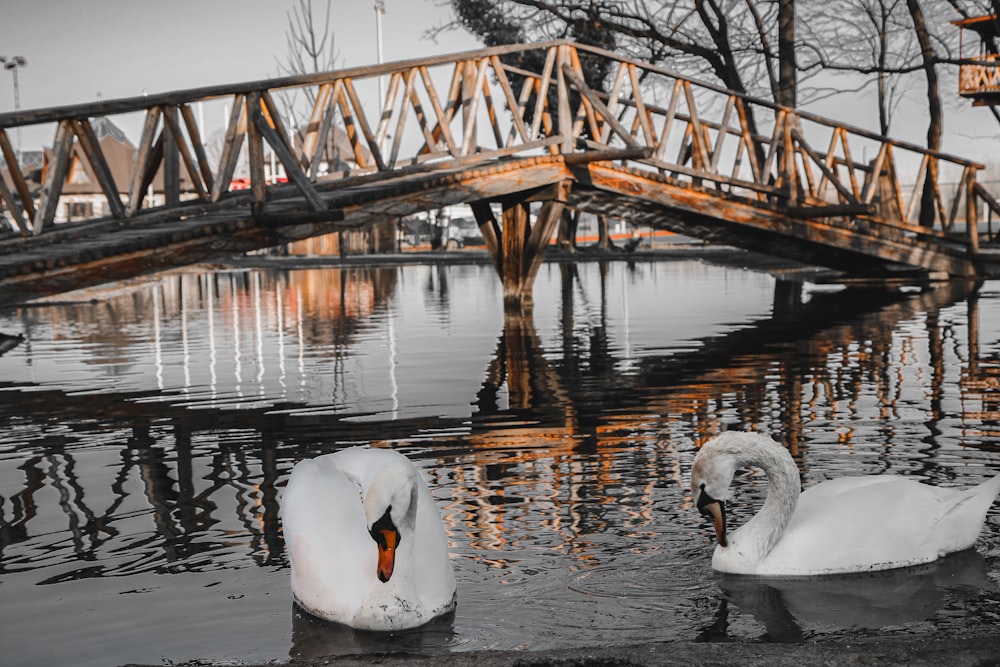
(716,511)
(386,536)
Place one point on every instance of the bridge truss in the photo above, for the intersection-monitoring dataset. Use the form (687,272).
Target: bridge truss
(519,132)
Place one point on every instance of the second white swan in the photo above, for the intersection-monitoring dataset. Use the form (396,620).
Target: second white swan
(850,524)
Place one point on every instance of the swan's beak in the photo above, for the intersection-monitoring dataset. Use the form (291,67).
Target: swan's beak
(386,536)
(387,553)
(716,511)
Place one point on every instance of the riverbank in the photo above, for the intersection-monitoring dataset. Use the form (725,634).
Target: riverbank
(719,254)
(912,652)
(678,248)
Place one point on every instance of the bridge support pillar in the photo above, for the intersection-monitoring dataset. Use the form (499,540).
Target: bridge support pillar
(518,244)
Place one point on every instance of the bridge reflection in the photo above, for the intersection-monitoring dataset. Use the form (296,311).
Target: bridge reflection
(194,484)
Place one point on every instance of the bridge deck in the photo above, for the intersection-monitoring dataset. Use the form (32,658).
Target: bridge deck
(519,127)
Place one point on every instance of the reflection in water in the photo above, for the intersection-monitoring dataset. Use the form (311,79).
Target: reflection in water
(314,638)
(150,435)
(8,343)
(850,602)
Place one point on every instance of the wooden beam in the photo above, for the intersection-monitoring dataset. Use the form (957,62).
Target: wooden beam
(314,136)
(15,208)
(14,171)
(273,117)
(513,104)
(541,232)
(827,173)
(255,149)
(827,211)
(577,82)
(370,137)
(17,205)
(516,230)
(171,157)
(199,149)
(564,116)
(55,176)
(442,129)
(92,149)
(971,214)
(232,144)
(172,123)
(490,229)
(144,161)
(291,165)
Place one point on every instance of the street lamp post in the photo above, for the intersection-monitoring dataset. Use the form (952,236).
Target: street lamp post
(12,64)
(379,10)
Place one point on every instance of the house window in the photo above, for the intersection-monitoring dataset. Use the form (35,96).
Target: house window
(79,209)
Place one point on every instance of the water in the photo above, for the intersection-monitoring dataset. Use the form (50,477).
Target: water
(149,432)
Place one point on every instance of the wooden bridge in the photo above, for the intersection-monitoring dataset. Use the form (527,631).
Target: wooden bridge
(522,134)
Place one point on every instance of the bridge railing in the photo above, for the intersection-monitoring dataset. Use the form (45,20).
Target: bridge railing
(333,129)
(714,139)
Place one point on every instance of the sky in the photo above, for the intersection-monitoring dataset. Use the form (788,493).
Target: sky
(79,49)
(83,50)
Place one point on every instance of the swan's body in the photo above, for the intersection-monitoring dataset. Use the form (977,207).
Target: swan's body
(850,524)
(365,541)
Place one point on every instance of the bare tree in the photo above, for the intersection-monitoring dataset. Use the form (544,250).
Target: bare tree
(736,42)
(310,42)
(310,49)
(787,71)
(780,50)
(883,47)
(868,43)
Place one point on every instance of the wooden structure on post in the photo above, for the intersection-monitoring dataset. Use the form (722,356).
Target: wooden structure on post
(979,75)
(515,129)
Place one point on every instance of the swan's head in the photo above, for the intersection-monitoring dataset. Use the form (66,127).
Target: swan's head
(390,504)
(711,475)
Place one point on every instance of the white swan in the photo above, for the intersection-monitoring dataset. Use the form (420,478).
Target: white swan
(850,524)
(365,541)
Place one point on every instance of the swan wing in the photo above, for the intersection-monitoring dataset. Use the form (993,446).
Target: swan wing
(959,528)
(437,586)
(870,523)
(332,557)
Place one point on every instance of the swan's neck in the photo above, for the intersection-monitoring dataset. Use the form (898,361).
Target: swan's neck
(758,536)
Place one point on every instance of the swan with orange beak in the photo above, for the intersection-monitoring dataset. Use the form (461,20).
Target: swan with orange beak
(842,525)
(365,541)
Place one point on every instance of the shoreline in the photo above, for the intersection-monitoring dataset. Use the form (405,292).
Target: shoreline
(868,651)
(783,269)
(718,254)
